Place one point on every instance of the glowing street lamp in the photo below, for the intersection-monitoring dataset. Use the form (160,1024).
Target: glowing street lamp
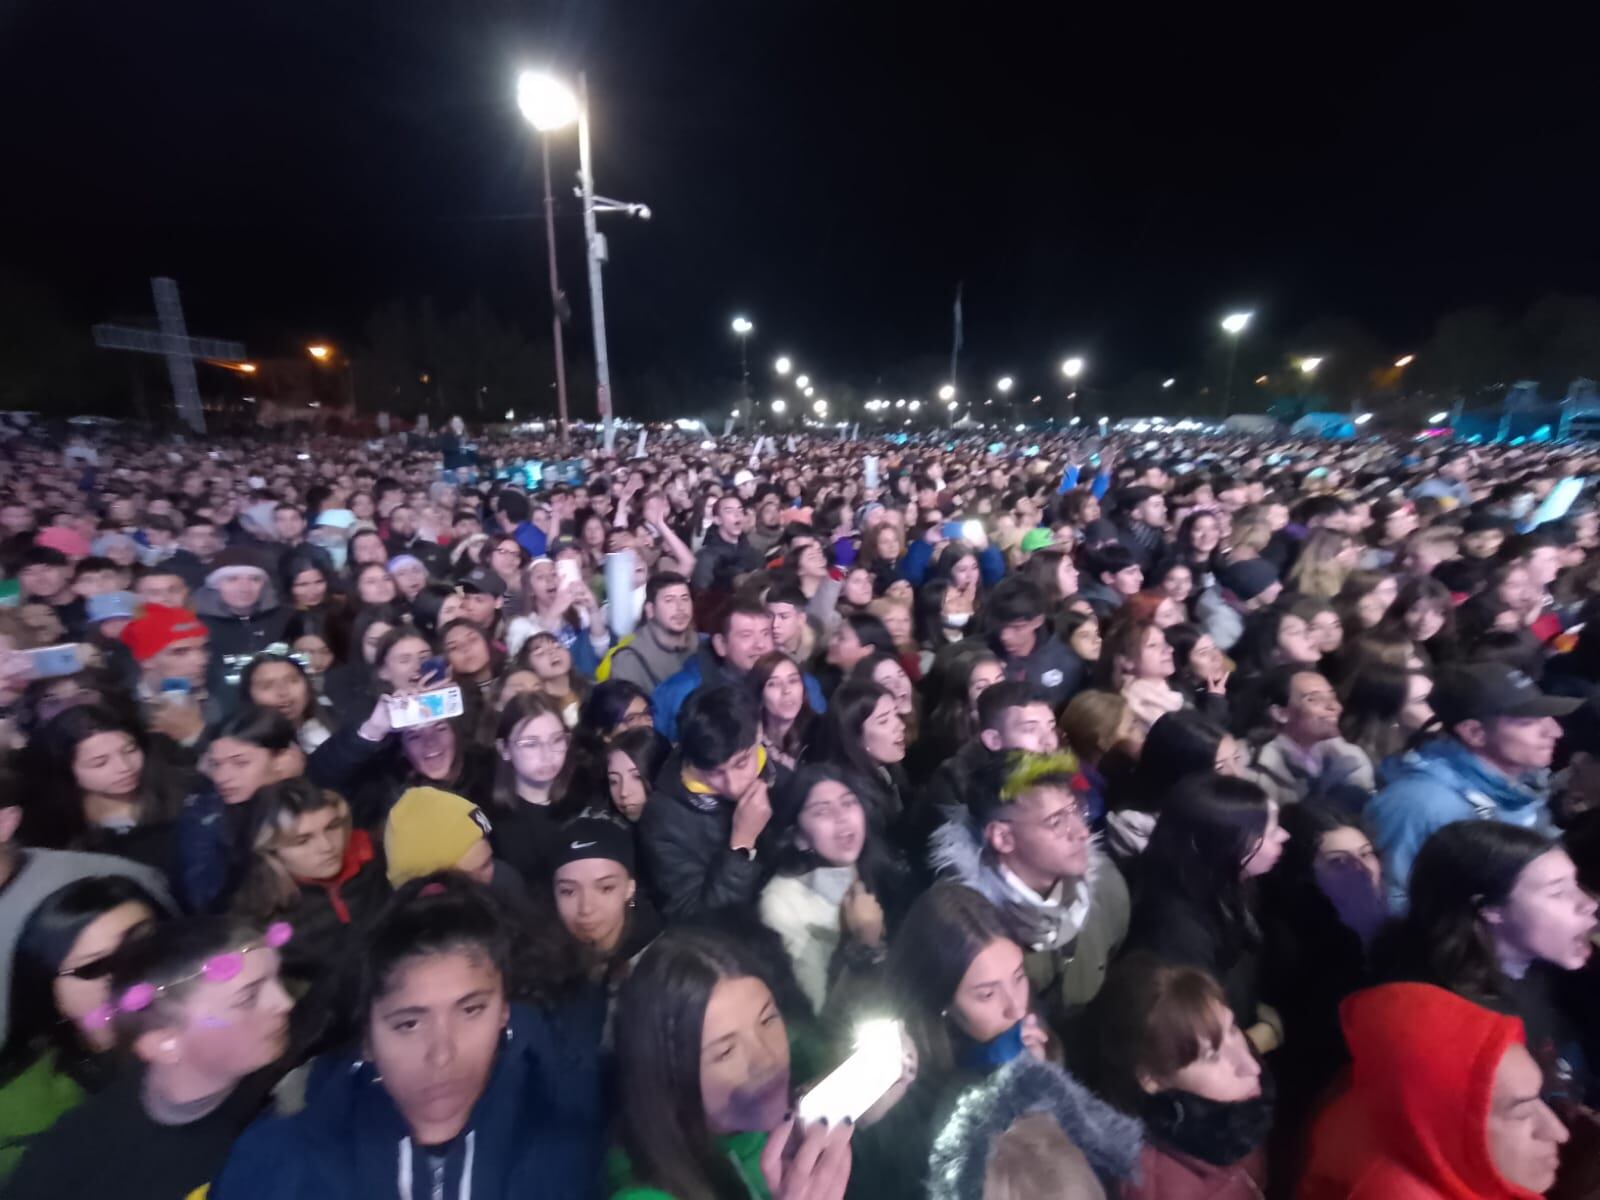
(1308,366)
(546,103)
(783,365)
(319,352)
(810,391)
(1438,418)
(779,407)
(820,408)
(1363,418)
(900,403)
(947,392)
(1404,361)
(742,328)
(1233,325)
(1072,368)
(1168,384)
(802,382)
(1004,384)
(914,405)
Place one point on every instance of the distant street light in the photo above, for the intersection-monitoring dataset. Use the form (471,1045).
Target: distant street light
(1004,384)
(319,352)
(778,407)
(1363,418)
(1438,418)
(1235,323)
(1072,367)
(811,391)
(900,403)
(802,382)
(947,392)
(783,365)
(742,328)
(820,408)
(1405,360)
(1308,366)
(914,405)
(1167,384)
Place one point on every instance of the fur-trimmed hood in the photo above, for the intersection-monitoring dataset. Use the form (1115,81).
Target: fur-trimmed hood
(956,852)
(1110,1140)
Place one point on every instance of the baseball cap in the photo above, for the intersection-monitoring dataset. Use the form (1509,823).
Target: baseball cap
(1476,691)
(742,477)
(110,606)
(484,582)
(159,627)
(595,837)
(428,830)
(1036,539)
(1247,579)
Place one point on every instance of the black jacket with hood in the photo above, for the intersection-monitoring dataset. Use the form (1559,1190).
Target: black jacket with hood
(235,638)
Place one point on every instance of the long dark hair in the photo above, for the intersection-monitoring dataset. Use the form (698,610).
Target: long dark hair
(46,938)
(1462,868)
(660,1022)
(840,741)
(315,708)
(799,735)
(875,864)
(55,819)
(1210,825)
(447,912)
(1180,744)
(945,929)
(1373,700)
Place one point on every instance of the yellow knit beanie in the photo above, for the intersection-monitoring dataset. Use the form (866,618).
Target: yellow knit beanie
(429,830)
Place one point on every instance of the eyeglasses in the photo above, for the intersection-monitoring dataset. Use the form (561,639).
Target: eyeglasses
(1057,823)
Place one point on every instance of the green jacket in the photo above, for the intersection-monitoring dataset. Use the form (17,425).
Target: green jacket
(743,1150)
(32,1102)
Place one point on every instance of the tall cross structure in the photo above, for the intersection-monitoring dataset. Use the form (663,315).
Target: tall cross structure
(172,340)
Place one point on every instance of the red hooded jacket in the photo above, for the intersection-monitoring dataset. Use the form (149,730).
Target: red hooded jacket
(1413,1122)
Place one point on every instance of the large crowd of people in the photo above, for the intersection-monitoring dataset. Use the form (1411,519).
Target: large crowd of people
(1214,818)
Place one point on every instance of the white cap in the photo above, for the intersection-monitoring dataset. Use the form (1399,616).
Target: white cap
(743,477)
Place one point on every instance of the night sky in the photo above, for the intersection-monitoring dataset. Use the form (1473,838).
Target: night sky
(1105,180)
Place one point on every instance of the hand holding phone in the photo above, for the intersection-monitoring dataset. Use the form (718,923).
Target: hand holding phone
(860,1081)
(52,662)
(424,708)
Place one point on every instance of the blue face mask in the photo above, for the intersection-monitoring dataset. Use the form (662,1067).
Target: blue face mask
(987,1057)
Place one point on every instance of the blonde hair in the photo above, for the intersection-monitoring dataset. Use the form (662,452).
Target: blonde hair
(1036,1160)
(1319,571)
(1248,534)
(1091,722)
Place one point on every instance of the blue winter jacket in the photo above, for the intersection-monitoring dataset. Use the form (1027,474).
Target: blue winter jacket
(1432,786)
(705,667)
(535,1131)
(919,558)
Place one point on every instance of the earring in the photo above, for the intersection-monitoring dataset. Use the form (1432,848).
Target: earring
(632,903)
(509,1035)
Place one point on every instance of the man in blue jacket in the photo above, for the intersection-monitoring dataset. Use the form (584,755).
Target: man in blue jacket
(1500,734)
(744,637)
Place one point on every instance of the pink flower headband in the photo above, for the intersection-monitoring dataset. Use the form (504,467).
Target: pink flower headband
(219,968)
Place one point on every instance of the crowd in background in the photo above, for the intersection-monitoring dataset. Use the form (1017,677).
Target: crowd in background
(1217,817)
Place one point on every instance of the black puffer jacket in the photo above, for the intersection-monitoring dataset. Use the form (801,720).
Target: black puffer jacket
(689,867)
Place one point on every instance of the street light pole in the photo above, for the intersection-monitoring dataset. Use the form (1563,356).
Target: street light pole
(596,254)
(1233,325)
(556,300)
